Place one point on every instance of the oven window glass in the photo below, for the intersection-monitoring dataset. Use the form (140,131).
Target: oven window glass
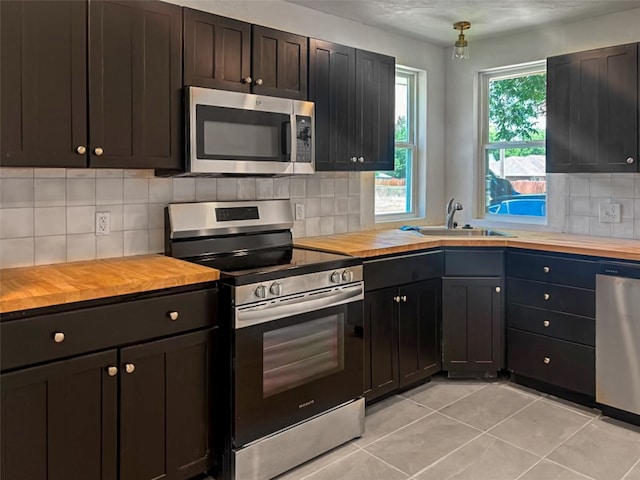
(241,139)
(302,353)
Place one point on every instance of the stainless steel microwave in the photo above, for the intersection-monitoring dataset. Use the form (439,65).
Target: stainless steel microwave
(245,134)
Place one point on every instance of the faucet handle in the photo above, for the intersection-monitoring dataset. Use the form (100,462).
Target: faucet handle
(458,206)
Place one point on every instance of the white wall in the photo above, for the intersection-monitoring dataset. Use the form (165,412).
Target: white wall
(461,132)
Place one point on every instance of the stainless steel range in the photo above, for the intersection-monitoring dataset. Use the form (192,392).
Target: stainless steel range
(294,327)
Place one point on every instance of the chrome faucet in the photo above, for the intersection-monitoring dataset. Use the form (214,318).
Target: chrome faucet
(451,210)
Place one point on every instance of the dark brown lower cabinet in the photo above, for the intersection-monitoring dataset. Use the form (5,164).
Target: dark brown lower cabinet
(59,420)
(472,325)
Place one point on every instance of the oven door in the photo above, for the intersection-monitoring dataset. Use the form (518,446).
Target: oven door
(291,368)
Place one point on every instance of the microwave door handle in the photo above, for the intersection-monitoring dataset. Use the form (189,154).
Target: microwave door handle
(285,137)
(294,140)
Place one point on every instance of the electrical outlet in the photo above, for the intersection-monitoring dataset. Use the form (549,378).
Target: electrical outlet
(103,223)
(609,212)
(299,211)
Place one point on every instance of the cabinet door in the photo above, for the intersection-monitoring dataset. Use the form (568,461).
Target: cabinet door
(381,342)
(43,81)
(135,81)
(59,421)
(279,63)
(165,402)
(332,81)
(217,51)
(419,330)
(472,324)
(592,111)
(375,107)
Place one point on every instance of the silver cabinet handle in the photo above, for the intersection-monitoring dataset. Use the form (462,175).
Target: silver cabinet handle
(396,299)
(546,269)
(81,149)
(404,298)
(98,151)
(174,315)
(58,337)
(546,323)
(547,296)
(498,289)
(630,160)
(546,360)
(353,159)
(361,159)
(258,81)
(112,371)
(247,80)
(129,367)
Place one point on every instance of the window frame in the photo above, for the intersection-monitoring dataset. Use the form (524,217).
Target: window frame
(485,77)
(412,77)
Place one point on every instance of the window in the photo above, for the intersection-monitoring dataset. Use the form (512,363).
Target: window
(512,133)
(395,191)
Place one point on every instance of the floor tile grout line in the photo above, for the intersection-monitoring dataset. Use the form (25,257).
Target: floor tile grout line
(569,468)
(386,463)
(631,469)
(560,405)
(331,463)
(450,403)
(397,429)
(524,392)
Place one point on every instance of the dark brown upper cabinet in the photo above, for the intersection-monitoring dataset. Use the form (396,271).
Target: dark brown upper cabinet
(126,61)
(354,93)
(228,54)
(592,111)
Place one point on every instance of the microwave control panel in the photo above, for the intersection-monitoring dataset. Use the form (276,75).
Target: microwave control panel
(304,144)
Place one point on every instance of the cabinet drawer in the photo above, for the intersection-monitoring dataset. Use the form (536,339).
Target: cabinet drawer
(561,363)
(564,326)
(32,340)
(546,268)
(577,301)
(394,271)
(469,263)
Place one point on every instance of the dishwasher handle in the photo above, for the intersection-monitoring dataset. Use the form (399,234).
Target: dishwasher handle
(620,269)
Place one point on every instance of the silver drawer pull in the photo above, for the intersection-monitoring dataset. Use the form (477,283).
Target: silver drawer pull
(546,269)
(396,299)
(498,289)
(547,296)
(546,360)
(546,323)
(173,315)
(58,337)
(112,371)
(129,367)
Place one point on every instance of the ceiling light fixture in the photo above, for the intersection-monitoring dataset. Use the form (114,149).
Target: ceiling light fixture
(461,47)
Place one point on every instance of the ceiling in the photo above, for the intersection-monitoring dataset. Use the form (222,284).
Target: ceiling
(432,20)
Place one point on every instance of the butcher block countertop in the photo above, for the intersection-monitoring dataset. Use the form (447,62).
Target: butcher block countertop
(46,285)
(374,243)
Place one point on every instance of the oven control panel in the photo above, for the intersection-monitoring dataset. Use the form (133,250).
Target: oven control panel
(257,292)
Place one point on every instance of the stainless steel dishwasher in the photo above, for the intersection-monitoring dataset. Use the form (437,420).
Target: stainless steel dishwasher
(618,337)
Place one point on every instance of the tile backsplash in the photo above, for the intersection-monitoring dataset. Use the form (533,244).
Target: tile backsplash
(48,215)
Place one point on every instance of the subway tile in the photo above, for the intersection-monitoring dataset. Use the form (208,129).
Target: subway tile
(81,191)
(354,204)
(16,172)
(600,185)
(299,229)
(109,191)
(313,186)
(247,189)
(136,217)
(136,190)
(50,221)
(264,188)
(16,192)
(156,215)
(81,219)
(622,185)
(116,212)
(354,185)
(594,205)
(312,207)
(579,185)
(136,242)
(341,224)
(16,222)
(160,190)
(579,225)
(327,225)
(623,230)
(341,186)
(81,247)
(109,173)
(206,189)
(184,189)
(227,189)
(50,192)
(137,173)
(109,246)
(598,229)
(354,223)
(81,173)
(51,249)
(281,187)
(49,173)
(580,206)
(16,252)
(637,191)
(156,240)
(327,206)
(327,187)
(626,206)
(298,187)
(341,205)
(312,227)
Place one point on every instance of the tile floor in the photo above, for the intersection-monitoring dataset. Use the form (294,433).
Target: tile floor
(481,430)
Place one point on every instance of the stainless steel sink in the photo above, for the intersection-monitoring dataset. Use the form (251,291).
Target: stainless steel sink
(461,232)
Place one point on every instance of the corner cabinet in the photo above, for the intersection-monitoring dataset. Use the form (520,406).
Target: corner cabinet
(473,312)
(592,111)
(401,321)
(102,93)
(138,409)
(228,54)
(354,92)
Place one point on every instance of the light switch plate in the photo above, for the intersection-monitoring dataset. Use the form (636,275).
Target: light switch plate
(610,213)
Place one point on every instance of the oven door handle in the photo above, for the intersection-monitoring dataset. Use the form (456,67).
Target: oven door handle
(297,304)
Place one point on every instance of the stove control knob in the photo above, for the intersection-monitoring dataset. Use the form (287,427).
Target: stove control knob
(347,276)
(336,277)
(276,288)
(261,292)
